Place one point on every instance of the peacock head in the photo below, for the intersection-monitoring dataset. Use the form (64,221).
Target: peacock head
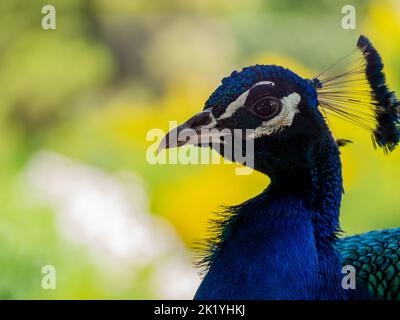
(271,105)
(284,114)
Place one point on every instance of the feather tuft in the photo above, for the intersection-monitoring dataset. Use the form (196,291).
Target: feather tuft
(219,229)
(386,133)
(360,95)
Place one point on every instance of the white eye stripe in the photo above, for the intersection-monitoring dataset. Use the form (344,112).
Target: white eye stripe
(239,102)
(235,105)
(283,119)
(263,82)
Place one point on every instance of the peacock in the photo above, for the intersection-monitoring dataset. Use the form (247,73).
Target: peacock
(286,242)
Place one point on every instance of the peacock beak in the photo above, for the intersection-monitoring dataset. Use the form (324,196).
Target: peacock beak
(195,131)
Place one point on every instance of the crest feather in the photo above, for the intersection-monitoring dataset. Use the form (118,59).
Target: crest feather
(360,94)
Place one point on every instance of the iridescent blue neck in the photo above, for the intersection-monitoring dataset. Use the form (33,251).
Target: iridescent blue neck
(279,245)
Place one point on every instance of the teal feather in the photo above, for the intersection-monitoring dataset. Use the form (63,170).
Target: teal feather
(376,258)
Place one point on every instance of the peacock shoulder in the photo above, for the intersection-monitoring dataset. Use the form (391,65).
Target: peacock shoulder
(376,258)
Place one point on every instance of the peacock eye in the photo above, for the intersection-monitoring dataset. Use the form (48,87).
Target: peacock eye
(266,107)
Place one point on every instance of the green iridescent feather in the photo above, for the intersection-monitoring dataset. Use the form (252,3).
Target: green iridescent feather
(376,258)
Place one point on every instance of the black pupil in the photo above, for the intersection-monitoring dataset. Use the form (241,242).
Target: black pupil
(266,107)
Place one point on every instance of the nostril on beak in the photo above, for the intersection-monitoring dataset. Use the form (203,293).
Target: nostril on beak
(202,119)
(193,126)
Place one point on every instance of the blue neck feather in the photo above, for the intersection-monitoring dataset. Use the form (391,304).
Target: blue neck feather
(279,245)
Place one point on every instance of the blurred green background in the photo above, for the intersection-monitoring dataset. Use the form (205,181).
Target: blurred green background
(77,102)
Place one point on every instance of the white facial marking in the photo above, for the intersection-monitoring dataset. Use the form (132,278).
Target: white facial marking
(239,102)
(235,105)
(283,119)
(264,82)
